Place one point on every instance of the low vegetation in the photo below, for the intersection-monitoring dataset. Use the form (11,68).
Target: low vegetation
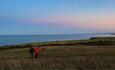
(60,58)
(75,55)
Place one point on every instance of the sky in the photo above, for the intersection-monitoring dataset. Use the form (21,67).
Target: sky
(56,16)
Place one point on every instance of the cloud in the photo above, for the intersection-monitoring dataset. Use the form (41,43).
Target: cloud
(103,21)
(98,21)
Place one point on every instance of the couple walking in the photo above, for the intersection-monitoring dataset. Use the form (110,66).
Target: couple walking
(34,51)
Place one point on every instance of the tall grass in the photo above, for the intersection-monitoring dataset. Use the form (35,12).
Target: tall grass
(60,58)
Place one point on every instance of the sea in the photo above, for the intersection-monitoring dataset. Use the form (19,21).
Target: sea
(20,39)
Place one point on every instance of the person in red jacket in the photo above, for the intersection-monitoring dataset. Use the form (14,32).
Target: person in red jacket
(36,52)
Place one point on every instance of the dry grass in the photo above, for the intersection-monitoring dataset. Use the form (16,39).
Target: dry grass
(60,58)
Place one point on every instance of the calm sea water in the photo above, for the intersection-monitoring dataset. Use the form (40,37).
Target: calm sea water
(18,39)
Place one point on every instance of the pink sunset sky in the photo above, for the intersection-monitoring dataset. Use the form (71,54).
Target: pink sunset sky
(57,16)
(104,21)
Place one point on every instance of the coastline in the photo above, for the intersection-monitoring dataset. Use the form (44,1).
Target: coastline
(22,39)
(94,53)
(91,41)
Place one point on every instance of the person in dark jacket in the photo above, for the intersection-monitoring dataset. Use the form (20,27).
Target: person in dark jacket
(31,51)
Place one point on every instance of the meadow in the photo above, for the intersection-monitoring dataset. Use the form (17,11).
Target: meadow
(79,56)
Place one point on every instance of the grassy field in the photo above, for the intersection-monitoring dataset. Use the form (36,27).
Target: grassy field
(60,58)
(92,54)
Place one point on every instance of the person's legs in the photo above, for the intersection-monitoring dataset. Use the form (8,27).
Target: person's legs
(32,55)
(36,55)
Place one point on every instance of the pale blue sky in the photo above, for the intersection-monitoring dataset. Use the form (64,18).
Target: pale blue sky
(56,16)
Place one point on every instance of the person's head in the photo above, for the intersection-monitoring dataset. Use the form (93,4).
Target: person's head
(32,47)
